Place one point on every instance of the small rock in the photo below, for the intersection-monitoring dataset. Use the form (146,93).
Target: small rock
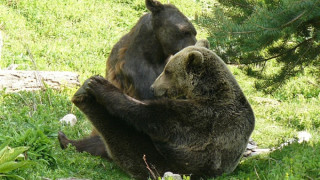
(70,119)
(303,136)
(173,176)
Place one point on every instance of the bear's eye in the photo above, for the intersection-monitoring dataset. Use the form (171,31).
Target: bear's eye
(187,33)
(167,72)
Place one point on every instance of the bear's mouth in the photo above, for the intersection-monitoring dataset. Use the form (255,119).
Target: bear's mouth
(160,93)
(181,97)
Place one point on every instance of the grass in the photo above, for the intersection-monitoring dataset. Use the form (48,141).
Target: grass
(77,36)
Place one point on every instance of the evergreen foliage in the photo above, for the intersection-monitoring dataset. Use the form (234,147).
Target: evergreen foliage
(258,31)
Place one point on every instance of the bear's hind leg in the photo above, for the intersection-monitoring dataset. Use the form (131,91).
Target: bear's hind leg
(93,145)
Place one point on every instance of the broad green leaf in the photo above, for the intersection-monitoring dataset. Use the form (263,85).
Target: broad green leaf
(3,151)
(9,166)
(12,176)
(5,144)
(12,154)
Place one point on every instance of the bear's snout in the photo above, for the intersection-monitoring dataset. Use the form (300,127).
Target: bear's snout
(157,91)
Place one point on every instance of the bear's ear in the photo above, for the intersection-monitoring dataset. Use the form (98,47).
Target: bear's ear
(195,59)
(203,43)
(154,6)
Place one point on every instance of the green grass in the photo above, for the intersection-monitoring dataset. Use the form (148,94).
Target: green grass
(77,36)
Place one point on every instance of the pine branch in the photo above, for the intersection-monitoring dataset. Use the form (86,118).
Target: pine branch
(294,19)
(286,72)
(240,4)
(272,29)
(287,31)
(281,54)
(244,32)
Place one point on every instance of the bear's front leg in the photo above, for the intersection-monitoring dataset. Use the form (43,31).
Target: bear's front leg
(146,116)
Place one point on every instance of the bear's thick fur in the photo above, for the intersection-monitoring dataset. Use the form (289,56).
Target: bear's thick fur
(200,126)
(139,57)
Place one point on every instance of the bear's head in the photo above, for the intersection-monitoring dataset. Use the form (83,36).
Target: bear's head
(195,73)
(173,30)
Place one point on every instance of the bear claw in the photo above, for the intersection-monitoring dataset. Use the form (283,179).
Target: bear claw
(82,90)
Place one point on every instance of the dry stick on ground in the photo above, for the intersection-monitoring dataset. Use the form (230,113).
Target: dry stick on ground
(152,173)
(255,170)
(38,77)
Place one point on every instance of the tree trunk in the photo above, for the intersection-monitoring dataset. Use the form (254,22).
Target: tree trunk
(14,80)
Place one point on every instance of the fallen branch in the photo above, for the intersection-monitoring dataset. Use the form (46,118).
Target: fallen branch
(14,80)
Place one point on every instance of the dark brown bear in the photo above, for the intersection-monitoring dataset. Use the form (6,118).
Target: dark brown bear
(202,127)
(140,56)
(135,62)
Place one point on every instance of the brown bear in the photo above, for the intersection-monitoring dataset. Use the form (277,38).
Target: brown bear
(139,57)
(200,125)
